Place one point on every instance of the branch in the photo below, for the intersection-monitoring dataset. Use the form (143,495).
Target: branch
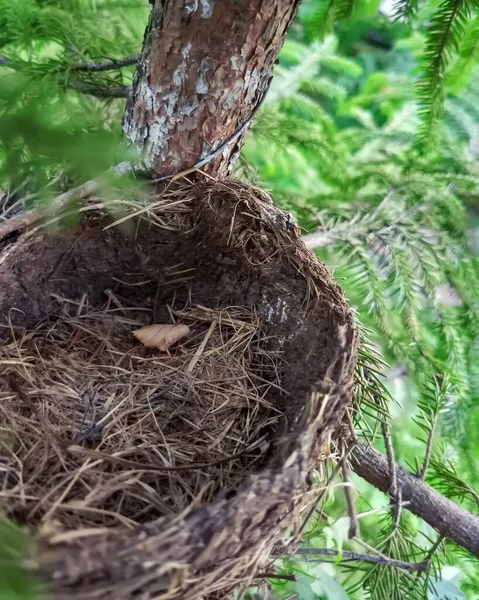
(110,64)
(25,220)
(372,558)
(291,577)
(427,455)
(353,517)
(112,91)
(324,489)
(320,239)
(449,519)
(393,491)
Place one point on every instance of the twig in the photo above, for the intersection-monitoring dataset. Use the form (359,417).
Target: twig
(372,558)
(111,91)
(27,219)
(353,518)
(324,489)
(111,64)
(199,351)
(435,546)
(149,467)
(291,577)
(427,455)
(352,430)
(111,296)
(375,511)
(393,488)
(433,550)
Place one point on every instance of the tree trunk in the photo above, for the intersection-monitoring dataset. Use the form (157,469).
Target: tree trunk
(204,67)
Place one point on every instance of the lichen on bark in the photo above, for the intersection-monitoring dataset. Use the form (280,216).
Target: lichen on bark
(204,67)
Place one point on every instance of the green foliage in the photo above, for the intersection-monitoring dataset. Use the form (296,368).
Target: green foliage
(445,31)
(395,226)
(47,127)
(15,581)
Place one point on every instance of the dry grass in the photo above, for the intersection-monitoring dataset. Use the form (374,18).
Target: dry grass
(99,434)
(97,431)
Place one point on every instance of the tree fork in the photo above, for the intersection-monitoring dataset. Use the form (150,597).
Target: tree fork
(204,67)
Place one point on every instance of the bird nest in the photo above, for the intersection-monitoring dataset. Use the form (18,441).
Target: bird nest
(165,466)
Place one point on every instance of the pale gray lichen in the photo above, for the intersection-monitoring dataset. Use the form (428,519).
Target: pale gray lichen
(231,96)
(206,8)
(235,62)
(206,65)
(191,6)
(156,141)
(274,313)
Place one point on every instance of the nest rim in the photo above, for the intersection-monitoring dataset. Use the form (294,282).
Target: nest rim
(206,549)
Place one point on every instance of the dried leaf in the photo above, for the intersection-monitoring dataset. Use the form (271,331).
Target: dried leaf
(161,336)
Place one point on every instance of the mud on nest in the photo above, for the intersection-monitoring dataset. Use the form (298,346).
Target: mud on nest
(171,472)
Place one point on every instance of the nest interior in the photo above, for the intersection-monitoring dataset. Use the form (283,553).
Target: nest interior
(102,435)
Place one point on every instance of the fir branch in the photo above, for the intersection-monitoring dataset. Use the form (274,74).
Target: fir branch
(405,10)
(433,401)
(427,454)
(461,71)
(112,91)
(346,555)
(327,15)
(443,476)
(112,64)
(444,33)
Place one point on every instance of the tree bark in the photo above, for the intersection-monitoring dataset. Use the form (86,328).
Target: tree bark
(204,66)
(449,519)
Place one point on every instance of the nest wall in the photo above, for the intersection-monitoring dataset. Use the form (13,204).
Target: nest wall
(214,246)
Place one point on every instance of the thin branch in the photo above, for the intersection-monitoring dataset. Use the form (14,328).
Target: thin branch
(27,219)
(435,546)
(393,489)
(375,511)
(372,558)
(352,430)
(112,64)
(324,489)
(432,551)
(427,456)
(111,91)
(446,517)
(291,577)
(353,518)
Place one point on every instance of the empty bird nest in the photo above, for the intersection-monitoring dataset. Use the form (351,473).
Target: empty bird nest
(169,371)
